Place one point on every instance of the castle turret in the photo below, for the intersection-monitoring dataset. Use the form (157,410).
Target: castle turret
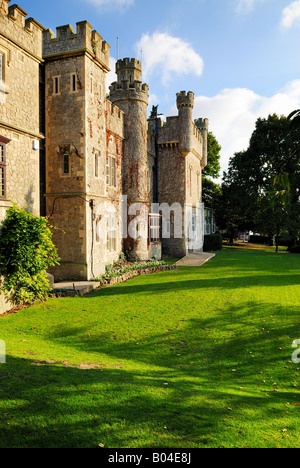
(185,105)
(202,125)
(131,96)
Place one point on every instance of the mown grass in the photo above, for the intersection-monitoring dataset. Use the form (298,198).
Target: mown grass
(199,357)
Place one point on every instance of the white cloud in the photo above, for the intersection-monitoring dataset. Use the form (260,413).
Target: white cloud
(233,113)
(111,76)
(245,6)
(167,55)
(291,14)
(112,4)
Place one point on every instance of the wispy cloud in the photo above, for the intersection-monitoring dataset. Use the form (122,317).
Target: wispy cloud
(291,14)
(111,76)
(245,6)
(233,113)
(112,4)
(168,56)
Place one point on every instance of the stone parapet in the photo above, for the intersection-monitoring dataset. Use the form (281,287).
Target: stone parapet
(114,119)
(26,33)
(136,90)
(129,63)
(67,41)
(185,99)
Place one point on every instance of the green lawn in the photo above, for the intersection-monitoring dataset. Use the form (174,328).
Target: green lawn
(199,357)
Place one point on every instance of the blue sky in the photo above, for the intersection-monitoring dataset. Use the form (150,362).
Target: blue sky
(240,57)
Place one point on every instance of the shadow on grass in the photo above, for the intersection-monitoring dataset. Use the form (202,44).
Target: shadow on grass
(207,381)
(228,337)
(201,283)
(178,394)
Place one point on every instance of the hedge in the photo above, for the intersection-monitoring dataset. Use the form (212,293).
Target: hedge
(213,242)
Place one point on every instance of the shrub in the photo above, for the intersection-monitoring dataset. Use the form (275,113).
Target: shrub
(119,268)
(26,251)
(295,249)
(212,243)
(264,240)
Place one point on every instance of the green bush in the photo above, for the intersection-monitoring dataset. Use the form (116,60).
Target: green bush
(120,268)
(212,243)
(295,249)
(26,251)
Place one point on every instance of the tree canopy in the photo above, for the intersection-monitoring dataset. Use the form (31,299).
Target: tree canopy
(211,191)
(262,184)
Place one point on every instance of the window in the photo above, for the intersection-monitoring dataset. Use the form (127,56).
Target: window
(194,226)
(97,165)
(1,68)
(111,172)
(111,232)
(154,228)
(210,227)
(191,192)
(74,86)
(3,142)
(56,85)
(66,163)
(198,183)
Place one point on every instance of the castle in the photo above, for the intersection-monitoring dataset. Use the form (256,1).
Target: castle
(109,179)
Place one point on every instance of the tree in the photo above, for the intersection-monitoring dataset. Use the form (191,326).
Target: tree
(267,177)
(211,191)
(294,117)
(213,160)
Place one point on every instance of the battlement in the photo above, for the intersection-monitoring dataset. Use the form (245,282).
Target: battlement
(185,99)
(16,27)
(4,7)
(128,63)
(202,124)
(113,110)
(129,69)
(17,14)
(84,39)
(125,85)
(114,119)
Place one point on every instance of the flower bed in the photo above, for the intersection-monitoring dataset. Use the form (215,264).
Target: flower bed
(123,271)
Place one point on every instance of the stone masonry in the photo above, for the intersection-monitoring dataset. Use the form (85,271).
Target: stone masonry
(94,164)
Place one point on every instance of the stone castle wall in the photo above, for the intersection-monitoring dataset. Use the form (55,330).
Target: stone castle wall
(21,46)
(131,96)
(182,155)
(91,128)
(93,131)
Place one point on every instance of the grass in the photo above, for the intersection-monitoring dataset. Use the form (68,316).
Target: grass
(199,357)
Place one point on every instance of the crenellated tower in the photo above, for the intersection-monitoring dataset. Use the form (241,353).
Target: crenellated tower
(83,151)
(185,105)
(131,96)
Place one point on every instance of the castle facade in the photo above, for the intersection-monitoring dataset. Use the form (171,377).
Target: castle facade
(110,179)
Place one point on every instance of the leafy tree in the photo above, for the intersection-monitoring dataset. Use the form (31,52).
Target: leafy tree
(237,203)
(266,177)
(26,251)
(211,191)
(213,166)
(294,117)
